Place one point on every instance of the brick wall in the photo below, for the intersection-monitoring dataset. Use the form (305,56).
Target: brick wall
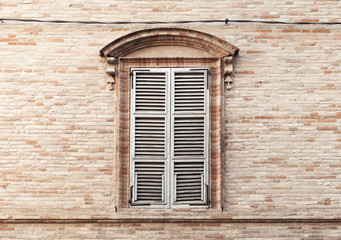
(283,114)
(171,231)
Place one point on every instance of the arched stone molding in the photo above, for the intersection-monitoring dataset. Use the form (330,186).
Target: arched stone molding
(166,37)
(169,43)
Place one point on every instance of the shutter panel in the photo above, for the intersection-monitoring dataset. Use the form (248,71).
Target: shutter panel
(148,136)
(189,91)
(189,181)
(149,179)
(190,136)
(150,91)
(169,146)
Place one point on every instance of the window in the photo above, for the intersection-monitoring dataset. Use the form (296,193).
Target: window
(169,137)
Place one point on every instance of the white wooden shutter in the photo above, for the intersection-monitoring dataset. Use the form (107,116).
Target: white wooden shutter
(169,145)
(148,150)
(190,136)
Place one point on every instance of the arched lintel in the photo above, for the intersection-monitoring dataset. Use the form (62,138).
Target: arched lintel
(168,37)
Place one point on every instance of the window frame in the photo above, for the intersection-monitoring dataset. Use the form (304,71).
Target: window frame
(123,119)
(194,49)
(169,188)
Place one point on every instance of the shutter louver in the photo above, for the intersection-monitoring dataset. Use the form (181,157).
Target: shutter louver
(150,91)
(189,181)
(150,136)
(189,88)
(149,181)
(189,136)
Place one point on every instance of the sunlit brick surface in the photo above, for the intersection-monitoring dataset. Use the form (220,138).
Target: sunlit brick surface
(58,119)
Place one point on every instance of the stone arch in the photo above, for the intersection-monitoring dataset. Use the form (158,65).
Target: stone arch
(168,37)
(168,43)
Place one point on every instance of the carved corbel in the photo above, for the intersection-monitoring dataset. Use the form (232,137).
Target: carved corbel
(228,69)
(111,71)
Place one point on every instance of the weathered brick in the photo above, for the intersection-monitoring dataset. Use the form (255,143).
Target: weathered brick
(59,123)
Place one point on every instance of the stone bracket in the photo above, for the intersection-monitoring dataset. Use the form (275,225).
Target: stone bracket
(111,71)
(228,69)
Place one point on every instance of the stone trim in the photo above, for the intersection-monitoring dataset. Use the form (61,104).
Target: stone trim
(111,71)
(166,37)
(168,220)
(228,69)
(220,66)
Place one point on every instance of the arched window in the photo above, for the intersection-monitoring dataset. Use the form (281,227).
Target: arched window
(170,87)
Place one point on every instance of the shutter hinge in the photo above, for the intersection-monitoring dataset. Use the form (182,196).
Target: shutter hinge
(132,80)
(208,202)
(198,204)
(207,194)
(140,204)
(208,74)
(201,69)
(131,203)
(130,195)
(207,81)
(132,75)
